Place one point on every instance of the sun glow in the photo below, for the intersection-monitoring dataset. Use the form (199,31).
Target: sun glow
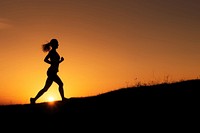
(51,99)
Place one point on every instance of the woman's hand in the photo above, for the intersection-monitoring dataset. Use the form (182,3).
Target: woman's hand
(62,59)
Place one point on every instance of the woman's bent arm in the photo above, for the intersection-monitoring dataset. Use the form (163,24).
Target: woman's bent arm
(46,59)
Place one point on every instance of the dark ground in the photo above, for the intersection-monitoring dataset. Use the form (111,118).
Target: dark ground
(167,107)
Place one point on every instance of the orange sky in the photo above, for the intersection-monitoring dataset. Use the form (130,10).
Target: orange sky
(106,45)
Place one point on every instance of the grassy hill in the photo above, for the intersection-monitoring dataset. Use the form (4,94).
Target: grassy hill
(172,102)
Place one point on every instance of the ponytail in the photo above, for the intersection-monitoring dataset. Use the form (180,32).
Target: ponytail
(46,47)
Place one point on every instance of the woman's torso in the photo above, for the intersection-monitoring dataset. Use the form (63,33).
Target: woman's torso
(54,58)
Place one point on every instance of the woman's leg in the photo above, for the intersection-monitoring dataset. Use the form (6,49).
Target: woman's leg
(60,84)
(48,83)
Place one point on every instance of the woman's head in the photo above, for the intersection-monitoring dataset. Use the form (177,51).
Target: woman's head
(52,44)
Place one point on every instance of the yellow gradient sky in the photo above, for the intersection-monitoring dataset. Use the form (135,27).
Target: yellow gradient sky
(107,44)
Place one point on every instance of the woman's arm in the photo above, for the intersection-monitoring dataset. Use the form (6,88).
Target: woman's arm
(46,59)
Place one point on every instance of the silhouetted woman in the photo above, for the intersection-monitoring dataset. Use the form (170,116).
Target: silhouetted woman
(54,59)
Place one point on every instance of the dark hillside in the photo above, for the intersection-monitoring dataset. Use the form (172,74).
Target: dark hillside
(159,103)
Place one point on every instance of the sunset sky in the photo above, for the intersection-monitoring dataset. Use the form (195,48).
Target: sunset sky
(107,45)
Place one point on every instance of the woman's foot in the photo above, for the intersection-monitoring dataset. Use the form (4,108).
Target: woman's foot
(32,100)
(64,99)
